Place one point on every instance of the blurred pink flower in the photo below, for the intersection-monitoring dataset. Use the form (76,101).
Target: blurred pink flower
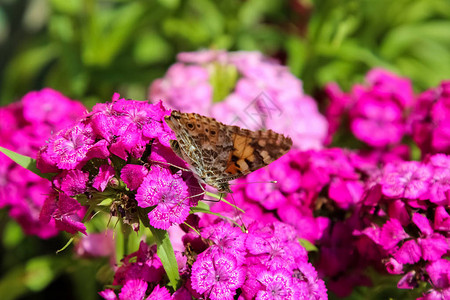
(24,127)
(244,89)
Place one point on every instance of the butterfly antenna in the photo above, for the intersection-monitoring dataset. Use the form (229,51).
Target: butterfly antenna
(244,227)
(241,183)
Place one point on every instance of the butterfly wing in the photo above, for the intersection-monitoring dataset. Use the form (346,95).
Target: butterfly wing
(218,153)
(201,142)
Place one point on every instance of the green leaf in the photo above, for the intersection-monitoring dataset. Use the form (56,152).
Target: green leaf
(26,162)
(167,256)
(308,245)
(164,250)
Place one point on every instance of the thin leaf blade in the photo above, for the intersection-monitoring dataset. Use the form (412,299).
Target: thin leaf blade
(166,254)
(26,162)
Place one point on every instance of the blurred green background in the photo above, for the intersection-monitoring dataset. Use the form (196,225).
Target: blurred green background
(89,49)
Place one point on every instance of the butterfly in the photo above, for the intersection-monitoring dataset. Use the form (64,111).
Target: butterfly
(218,153)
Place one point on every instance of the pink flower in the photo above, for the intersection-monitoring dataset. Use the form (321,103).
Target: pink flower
(391,85)
(408,180)
(65,211)
(96,245)
(433,247)
(409,253)
(276,285)
(70,146)
(225,239)
(105,174)
(392,232)
(218,276)
(441,219)
(143,264)
(169,193)
(133,175)
(375,112)
(159,293)
(133,289)
(72,182)
(307,282)
(439,272)
(24,127)
(429,120)
(378,123)
(51,107)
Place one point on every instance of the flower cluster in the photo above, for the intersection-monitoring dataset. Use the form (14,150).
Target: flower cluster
(430,123)
(368,208)
(119,151)
(313,192)
(374,113)
(301,179)
(267,262)
(24,127)
(412,197)
(244,89)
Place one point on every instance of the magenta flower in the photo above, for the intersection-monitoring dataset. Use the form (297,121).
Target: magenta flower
(133,289)
(159,293)
(72,182)
(24,127)
(70,146)
(439,272)
(307,283)
(407,180)
(390,85)
(96,245)
(168,193)
(441,219)
(276,285)
(105,174)
(408,253)
(143,264)
(225,239)
(429,120)
(51,107)
(433,247)
(65,211)
(394,267)
(376,111)
(273,248)
(378,123)
(268,194)
(440,184)
(108,294)
(133,175)
(392,232)
(218,276)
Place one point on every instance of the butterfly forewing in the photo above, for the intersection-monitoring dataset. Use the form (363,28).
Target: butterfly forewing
(218,153)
